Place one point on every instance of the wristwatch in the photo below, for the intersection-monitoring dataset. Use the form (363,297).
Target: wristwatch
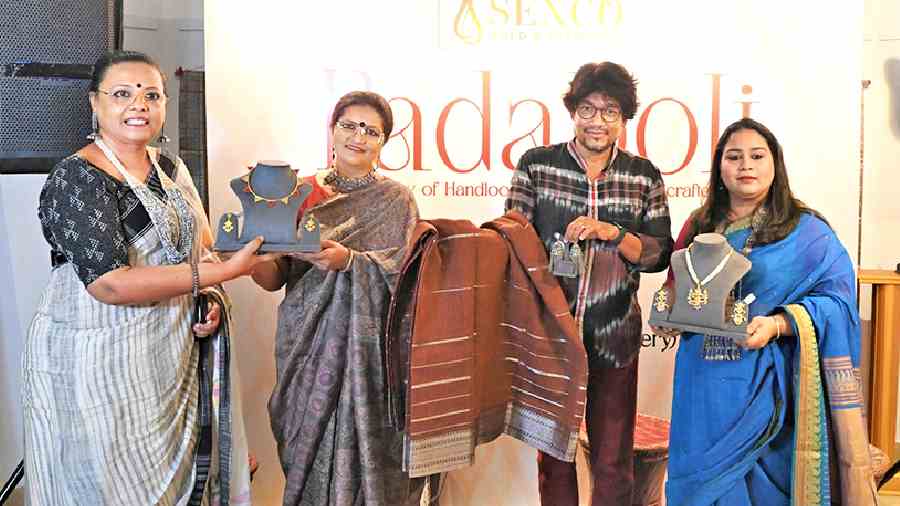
(617,239)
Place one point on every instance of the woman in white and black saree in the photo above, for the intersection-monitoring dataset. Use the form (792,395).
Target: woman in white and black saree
(122,392)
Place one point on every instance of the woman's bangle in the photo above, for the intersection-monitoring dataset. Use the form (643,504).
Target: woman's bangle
(349,260)
(777,327)
(195,278)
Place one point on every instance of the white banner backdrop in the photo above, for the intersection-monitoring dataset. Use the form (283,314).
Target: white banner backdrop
(474,83)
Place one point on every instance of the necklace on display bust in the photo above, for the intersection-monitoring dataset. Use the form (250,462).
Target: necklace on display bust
(698,296)
(344,184)
(270,201)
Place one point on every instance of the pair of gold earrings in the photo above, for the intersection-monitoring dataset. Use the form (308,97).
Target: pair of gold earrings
(739,310)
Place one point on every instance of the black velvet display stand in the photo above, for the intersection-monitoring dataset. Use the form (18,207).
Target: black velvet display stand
(270,196)
(714,317)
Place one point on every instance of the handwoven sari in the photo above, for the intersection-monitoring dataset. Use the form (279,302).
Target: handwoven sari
(111,393)
(328,409)
(783,424)
(510,359)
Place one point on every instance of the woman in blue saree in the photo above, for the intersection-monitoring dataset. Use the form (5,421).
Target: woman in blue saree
(779,420)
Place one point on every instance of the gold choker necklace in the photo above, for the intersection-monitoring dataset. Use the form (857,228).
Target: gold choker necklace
(271,202)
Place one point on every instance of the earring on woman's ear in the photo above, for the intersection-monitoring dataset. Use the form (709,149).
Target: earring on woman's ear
(163,138)
(95,128)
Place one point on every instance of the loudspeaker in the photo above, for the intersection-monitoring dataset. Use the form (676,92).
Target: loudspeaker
(47,52)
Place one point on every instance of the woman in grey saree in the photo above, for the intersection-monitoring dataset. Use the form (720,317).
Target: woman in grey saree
(328,408)
(111,374)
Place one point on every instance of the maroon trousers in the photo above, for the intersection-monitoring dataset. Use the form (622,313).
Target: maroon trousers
(609,419)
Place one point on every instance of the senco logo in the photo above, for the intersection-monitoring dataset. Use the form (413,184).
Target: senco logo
(476,22)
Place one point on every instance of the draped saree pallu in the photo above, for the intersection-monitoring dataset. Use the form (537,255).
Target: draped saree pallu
(327,409)
(480,342)
(112,393)
(792,429)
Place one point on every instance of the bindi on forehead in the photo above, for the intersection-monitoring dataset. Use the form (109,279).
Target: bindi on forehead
(375,124)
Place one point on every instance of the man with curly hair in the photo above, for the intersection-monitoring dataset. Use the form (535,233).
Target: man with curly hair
(613,205)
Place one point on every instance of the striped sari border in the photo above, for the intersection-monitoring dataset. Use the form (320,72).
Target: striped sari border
(811,483)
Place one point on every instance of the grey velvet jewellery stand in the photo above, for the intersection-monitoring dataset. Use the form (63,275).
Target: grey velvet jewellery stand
(716,316)
(270,196)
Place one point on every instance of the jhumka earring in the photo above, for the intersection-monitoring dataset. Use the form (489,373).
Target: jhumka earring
(661,300)
(740,311)
(163,138)
(95,128)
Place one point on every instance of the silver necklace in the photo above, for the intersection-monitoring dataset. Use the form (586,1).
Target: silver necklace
(344,184)
(172,219)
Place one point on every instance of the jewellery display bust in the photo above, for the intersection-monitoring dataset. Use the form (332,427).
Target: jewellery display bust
(705,275)
(270,196)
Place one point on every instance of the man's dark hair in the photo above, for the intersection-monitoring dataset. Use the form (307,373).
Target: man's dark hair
(610,79)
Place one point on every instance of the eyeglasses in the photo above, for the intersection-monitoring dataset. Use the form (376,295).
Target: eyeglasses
(609,114)
(369,132)
(125,96)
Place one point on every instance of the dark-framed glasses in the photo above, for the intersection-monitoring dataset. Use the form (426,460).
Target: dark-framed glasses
(609,114)
(127,96)
(369,132)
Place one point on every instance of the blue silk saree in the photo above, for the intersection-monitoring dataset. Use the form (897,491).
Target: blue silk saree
(783,425)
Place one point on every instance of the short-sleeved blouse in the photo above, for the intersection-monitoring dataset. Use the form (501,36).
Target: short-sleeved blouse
(89,218)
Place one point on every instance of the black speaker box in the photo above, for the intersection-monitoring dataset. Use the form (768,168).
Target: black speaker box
(47,52)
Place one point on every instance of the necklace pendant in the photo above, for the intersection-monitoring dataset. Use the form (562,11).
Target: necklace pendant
(698,297)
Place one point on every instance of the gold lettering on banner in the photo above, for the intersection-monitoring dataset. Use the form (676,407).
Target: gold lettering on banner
(467,13)
(553,12)
(477,21)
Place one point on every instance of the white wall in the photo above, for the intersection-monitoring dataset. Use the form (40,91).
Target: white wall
(881,153)
(171,31)
(24,268)
(881,207)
